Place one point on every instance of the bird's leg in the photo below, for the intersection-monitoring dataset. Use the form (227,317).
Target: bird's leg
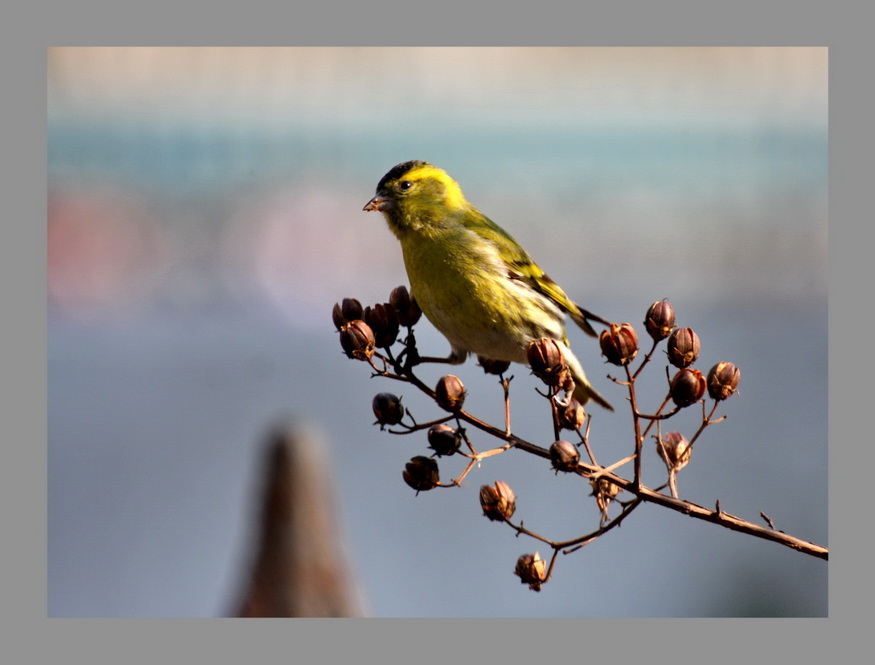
(413,358)
(456,357)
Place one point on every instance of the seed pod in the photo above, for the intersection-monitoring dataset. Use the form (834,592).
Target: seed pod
(498,501)
(405,306)
(421,473)
(604,492)
(387,408)
(683,347)
(659,320)
(564,456)
(337,316)
(383,319)
(443,439)
(497,367)
(547,361)
(687,387)
(450,393)
(532,570)
(674,450)
(723,380)
(571,416)
(619,343)
(357,340)
(348,310)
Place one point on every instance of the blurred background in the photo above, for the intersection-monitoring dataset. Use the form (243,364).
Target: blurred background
(204,215)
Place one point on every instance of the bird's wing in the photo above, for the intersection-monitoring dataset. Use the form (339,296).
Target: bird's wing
(521,266)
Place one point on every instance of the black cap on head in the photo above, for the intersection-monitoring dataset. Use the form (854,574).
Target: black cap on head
(399,170)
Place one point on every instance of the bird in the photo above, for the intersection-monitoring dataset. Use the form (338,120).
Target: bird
(471,279)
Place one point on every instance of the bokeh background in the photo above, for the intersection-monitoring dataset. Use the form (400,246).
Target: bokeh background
(204,214)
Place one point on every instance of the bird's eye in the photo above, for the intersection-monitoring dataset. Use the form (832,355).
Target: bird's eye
(405,185)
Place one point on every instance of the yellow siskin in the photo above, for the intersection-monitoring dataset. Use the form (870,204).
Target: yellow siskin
(471,279)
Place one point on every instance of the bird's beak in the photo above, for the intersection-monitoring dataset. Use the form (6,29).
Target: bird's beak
(378,203)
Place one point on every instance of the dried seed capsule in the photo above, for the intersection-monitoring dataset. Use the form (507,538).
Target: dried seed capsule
(337,316)
(387,408)
(497,367)
(547,361)
(421,473)
(443,439)
(564,456)
(352,309)
(383,319)
(571,416)
(674,450)
(405,305)
(659,320)
(619,343)
(357,340)
(348,310)
(532,570)
(604,492)
(723,380)
(450,393)
(567,385)
(687,387)
(498,501)
(683,347)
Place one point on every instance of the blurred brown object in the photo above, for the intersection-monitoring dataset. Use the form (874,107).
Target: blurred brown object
(298,566)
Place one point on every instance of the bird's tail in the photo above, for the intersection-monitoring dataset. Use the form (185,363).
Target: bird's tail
(582,318)
(583,390)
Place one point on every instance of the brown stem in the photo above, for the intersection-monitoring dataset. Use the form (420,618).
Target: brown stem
(637,489)
(646,360)
(706,420)
(416,427)
(583,541)
(505,384)
(646,494)
(637,422)
(673,483)
(719,517)
(550,567)
(584,438)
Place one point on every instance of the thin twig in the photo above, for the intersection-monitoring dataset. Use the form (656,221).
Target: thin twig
(641,492)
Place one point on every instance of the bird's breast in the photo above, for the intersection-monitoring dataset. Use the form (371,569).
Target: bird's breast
(464,288)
